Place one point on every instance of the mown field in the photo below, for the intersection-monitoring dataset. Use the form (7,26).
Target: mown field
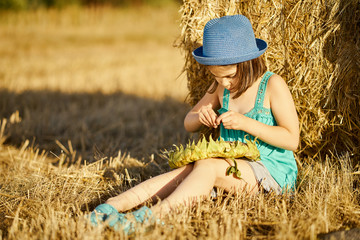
(89,97)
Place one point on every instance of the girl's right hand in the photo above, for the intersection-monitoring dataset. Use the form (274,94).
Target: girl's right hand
(207,116)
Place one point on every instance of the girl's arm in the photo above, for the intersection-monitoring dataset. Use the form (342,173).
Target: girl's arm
(203,112)
(286,134)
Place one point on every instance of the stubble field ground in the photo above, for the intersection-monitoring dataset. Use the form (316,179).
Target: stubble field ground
(89,97)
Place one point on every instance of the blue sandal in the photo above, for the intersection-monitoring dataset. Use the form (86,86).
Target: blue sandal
(119,221)
(129,222)
(106,212)
(143,215)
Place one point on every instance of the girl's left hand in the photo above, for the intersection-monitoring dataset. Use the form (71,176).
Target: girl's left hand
(231,120)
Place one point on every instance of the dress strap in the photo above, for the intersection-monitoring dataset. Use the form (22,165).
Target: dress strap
(226,99)
(262,88)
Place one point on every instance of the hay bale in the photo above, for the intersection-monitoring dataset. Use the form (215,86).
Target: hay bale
(313,45)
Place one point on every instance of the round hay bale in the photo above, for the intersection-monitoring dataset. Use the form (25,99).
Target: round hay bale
(312,45)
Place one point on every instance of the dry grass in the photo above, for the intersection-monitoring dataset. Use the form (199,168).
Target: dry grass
(43,201)
(92,50)
(104,74)
(71,77)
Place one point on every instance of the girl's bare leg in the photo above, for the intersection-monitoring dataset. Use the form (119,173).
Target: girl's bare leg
(204,176)
(157,187)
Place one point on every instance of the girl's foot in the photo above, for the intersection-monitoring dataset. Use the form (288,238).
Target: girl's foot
(119,221)
(106,212)
(135,219)
(143,215)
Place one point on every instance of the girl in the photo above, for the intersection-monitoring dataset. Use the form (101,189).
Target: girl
(250,102)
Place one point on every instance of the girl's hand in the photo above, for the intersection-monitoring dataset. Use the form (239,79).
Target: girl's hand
(207,116)
(231,120)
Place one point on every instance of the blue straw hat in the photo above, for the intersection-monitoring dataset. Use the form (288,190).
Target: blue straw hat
(229,40)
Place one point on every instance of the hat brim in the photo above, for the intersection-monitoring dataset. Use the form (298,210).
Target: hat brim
(200,58)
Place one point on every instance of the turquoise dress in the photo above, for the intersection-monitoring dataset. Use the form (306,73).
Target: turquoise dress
(280,162)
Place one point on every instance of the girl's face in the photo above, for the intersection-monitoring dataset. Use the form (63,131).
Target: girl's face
(224,75)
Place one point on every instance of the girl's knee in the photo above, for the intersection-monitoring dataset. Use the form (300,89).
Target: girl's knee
(203,162)
(188,168)
(210,164)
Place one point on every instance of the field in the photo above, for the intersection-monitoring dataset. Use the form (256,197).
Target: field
(89,97)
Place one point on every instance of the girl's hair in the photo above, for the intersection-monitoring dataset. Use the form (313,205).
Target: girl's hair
(247,73)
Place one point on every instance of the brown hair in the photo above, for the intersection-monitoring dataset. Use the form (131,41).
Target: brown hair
(247,73)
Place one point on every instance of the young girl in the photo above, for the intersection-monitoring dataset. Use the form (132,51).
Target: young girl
(244,101)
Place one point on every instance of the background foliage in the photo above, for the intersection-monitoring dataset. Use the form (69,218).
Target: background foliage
(34,4)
